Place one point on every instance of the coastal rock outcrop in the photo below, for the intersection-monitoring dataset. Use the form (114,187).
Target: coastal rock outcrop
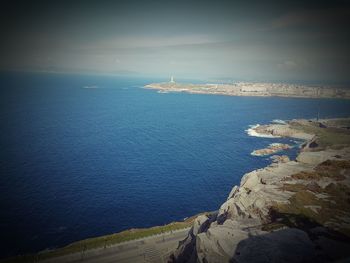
(290,211)
(283,130)
(271,149)
(280,158)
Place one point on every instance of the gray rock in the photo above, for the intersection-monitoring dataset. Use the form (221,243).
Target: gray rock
(236,233)
(284,246)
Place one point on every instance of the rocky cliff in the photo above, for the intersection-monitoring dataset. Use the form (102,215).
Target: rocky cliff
(290,211)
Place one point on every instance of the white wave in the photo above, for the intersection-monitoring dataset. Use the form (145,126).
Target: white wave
(278,121)
(298,144)
(90,87)
(253,153)
(251,132)
(276,144)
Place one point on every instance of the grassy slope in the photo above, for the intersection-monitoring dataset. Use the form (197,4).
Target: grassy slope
(327,137)
(311,204)
(329,211)
(108,240)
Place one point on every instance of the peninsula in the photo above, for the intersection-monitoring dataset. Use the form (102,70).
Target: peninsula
(254,89)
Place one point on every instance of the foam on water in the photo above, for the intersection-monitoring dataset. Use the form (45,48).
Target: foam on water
(277,121)
(252,132)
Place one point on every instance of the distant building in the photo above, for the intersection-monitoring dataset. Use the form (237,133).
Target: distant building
(172,79)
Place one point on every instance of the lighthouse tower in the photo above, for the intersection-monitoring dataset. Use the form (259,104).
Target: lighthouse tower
(172,79)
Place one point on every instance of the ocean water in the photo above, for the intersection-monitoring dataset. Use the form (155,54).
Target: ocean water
(83,156)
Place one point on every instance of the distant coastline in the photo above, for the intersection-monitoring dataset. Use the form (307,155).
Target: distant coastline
(254,89)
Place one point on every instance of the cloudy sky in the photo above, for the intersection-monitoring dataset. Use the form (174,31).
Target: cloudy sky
(240,40)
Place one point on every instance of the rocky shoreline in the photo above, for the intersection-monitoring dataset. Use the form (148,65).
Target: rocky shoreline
(290,211)
(271,149)
(254,89)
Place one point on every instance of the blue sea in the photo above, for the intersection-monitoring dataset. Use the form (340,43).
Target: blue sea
(83,156)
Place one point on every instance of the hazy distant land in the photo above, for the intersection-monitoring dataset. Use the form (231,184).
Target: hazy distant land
(254,89)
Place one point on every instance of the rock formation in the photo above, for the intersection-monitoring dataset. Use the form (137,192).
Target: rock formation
(291,211)
(271,149)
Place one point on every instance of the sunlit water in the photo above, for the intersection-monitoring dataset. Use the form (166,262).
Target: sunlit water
(83,156)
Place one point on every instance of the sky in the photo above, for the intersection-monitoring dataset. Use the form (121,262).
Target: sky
(296,41)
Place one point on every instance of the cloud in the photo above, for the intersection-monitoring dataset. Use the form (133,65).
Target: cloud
(204,39)
(127,42)
(288,64)
(329,16)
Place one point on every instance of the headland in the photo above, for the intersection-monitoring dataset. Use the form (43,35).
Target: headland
(291,211)
(254,89)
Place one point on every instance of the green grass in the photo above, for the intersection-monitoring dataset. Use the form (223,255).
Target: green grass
(327,137)
(332,208)
(103,241)
(329,168)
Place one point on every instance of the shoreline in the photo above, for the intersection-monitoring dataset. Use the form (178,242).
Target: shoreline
(286,209)
(75,250)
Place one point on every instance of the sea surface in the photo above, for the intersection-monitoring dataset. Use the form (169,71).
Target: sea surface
(83,156)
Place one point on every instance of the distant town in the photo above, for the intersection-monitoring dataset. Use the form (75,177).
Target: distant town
(254,89)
